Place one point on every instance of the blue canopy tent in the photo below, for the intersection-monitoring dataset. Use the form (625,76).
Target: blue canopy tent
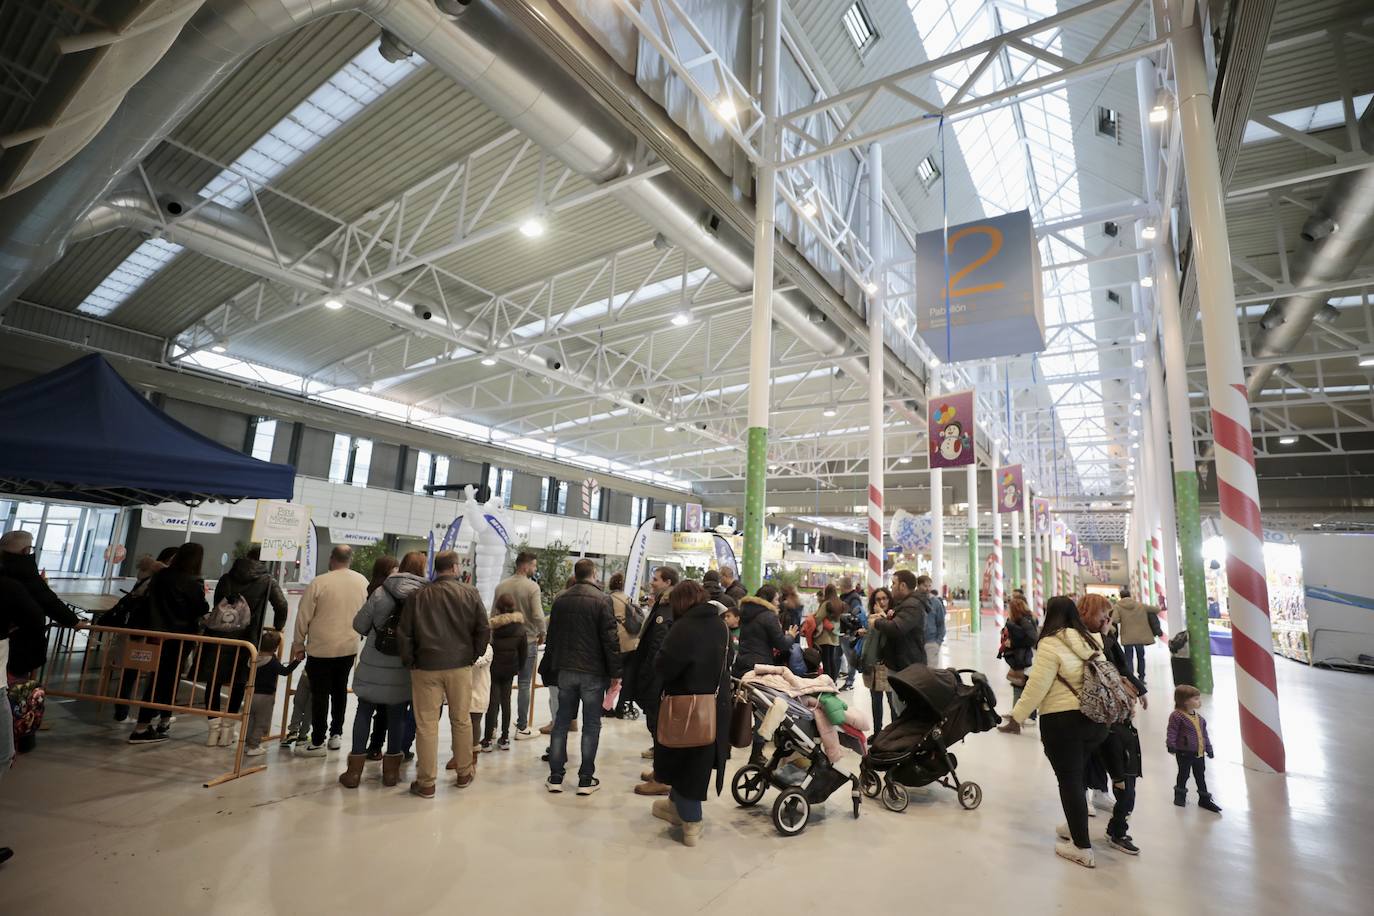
(82,434)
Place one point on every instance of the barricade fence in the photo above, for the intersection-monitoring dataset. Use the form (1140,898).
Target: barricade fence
(180,674)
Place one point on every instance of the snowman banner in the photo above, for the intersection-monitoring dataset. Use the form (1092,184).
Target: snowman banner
(1041,510)
(1011,487)
(949,422)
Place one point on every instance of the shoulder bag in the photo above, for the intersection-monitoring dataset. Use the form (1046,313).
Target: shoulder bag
(1103,699)
(689,720)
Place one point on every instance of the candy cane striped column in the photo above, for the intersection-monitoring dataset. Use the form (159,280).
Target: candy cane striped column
(876,350)
(1237,486)
(1157,558)
(996,592)
(875,538)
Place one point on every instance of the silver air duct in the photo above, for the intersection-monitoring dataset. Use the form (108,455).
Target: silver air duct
(1336,239)
(480,49)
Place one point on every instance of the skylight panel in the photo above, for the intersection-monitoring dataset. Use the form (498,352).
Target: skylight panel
(357,84)
(858,27)
(1307,119)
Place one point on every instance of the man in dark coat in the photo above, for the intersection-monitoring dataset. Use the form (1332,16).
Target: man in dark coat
(731,583)
(715,592)
(761,642)
(581,662)
(904,635)
(647,689)
(29,645)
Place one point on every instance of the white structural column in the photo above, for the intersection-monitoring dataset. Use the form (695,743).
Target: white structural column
(1030,582)
(1015,568)
(997,587)
(876,351)
(937,502)
(1167,558)
(761,324)
(975,576)
(1238,488)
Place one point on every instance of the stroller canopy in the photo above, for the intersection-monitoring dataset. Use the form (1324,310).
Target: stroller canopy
(931,690)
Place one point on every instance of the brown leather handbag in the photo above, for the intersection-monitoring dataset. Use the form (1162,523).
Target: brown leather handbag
(689,720)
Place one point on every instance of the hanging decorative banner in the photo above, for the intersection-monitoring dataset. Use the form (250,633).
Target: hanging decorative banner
(310,556)
(949,426)
(1070,544)
(725,553)
(692,516)
(589,488)
(1040,509)
(913,533)
(1059,537)
(1011,485)
(429,556)
(634,560)
(978,292)
(1084,557)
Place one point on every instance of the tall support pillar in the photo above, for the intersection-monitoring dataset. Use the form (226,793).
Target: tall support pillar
(1248,595)
(761,323)
(1168,546)
(937,505)
(996,590)
(1015,565)
(876,351)
(1188,519)
(974,573)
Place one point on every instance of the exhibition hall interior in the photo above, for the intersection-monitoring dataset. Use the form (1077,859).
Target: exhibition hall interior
(673,456)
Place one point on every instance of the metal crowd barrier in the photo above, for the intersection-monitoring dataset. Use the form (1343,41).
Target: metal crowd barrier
(106,665)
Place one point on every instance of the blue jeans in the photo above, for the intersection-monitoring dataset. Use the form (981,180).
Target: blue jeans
(590,690)
(526,684)
(689,809)
(1139,653)
(395,725)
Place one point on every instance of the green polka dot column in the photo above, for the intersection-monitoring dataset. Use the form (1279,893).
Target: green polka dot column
(755,487)
(1194,584)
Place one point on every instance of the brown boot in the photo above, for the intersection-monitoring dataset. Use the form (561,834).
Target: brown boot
(350,777)
(650,787)
(391,769)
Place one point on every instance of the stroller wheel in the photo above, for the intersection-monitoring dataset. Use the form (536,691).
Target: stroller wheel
(895,795)
(748,786)
(970,795)
(791,812)
(871,782)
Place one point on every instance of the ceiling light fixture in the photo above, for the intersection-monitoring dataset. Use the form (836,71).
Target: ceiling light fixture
(488,360)
(808,209)
(1159,114)
(1140,364)
(670,428)
(1288,440)
(1140,336)
(532,228)
(551,440)
(725,107)
(1366,358)
(217,348)
(1316,524)
(935,362)
(828,412)
(682,319)
(899,321)
(905,459)
(364,389)
(1149,233)
(1135,395)
(333,304)
(1147,281)
(871,288)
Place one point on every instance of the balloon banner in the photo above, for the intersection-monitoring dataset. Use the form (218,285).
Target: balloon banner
(913,533)
(1011,485)
(1040,509)
(949,425)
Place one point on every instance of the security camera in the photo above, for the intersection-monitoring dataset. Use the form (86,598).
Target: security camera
(422,312)
(1318,227)
(553,364)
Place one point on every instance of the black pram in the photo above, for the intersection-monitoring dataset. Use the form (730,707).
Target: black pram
(941,708)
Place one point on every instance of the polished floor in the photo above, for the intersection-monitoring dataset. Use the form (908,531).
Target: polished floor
(102,827)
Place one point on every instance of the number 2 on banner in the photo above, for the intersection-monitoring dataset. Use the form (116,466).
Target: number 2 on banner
(994,246)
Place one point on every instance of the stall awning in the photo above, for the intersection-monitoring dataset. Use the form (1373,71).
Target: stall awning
(81,433)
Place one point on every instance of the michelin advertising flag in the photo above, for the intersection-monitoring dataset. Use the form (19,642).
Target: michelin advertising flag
(949,424)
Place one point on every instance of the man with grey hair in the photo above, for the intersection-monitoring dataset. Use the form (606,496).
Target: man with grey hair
(29,645)
(731,583)
(325,638)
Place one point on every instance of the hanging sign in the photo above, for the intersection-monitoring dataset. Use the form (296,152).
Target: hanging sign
(949,425)
(913,533)
(1059,536)
(692,517)
(310,555)
(1011,487)
(1070,545)
(280,527)
(1040,510)
(978,292)
(163,520)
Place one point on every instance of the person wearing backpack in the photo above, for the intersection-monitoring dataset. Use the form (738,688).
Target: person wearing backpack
(251,583)
(1054,689)
(629,620)
(176,606)
(381,683)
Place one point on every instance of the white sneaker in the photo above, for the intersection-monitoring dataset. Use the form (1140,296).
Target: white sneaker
(523,734)
(212,736)
(1103,801)
(335,742)
(228,734)
(1062,831)
(1084,857)
(1092,812)
(311,750)
(254,751)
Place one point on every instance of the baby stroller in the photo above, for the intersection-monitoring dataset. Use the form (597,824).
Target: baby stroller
(941,708)
(797,734)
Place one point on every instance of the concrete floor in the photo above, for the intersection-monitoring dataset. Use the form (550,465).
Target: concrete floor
(100,826)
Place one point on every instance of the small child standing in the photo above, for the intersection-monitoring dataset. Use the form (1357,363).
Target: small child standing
(265,691)
(1187,740)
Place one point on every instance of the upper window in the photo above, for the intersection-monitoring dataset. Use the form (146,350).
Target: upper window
(928,171)
(430,470)
(499,481)
(350,460)
(859,27)
(596,505)
(264,434)
(1109,122)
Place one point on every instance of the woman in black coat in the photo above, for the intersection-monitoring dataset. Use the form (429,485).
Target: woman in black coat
(692,661)
(1018,652)
(176,604)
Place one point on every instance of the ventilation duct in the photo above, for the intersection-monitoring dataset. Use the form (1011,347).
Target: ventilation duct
(480,50)
(1336,238)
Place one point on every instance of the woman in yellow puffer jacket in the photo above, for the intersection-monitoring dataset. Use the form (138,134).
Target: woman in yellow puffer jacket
(1068,736)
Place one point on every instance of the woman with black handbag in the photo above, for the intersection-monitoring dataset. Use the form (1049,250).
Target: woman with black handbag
(693,721)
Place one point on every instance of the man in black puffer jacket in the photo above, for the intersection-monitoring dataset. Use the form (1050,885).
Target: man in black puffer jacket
(711,582)
(581,660)
(761,642)
(29,644)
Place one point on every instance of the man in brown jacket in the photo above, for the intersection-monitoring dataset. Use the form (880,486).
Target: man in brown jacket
(520,585)
(443,629)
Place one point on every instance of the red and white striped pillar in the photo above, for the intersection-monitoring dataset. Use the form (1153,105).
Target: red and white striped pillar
(998,589)
(1252,638)
(876,352)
